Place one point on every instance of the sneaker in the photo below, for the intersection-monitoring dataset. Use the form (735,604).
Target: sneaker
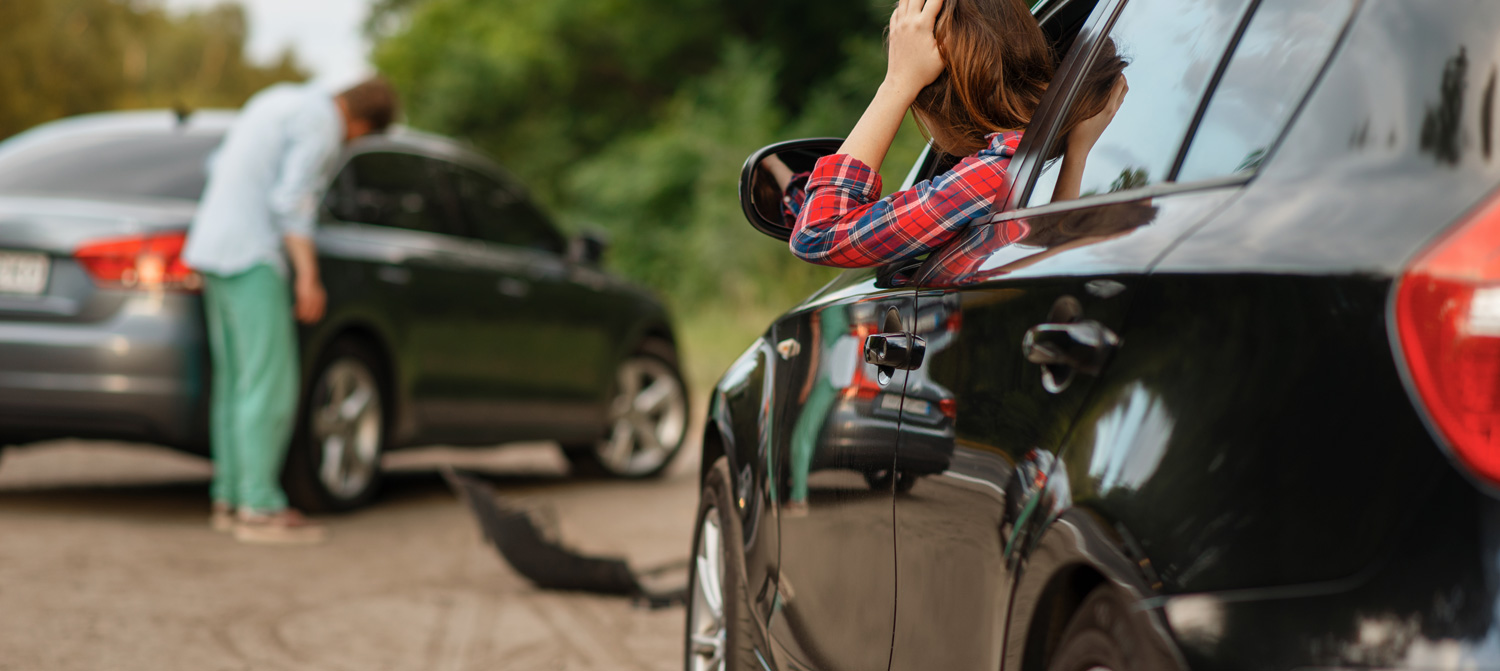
(285,527)
(222,517)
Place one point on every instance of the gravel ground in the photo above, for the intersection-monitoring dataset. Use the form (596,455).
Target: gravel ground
(107,562)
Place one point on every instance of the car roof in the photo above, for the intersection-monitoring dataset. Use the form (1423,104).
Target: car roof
(216,122)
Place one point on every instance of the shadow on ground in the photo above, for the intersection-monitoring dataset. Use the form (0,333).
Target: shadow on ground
(63,479)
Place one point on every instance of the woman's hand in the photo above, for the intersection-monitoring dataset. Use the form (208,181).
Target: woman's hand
(914,63)
(1085,134)
(914,60)
(1081,141)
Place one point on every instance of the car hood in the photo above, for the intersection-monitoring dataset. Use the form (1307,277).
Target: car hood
(61,224)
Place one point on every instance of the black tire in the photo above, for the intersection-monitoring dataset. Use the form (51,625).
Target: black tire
(881,481)
(585,459)
(1104,633)
(302,477)
(716,498)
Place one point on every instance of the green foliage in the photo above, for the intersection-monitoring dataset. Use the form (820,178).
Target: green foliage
(637,116)
(1130,178)
(65,57)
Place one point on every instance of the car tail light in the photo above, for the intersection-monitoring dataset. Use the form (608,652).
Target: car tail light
(949,407)
(861,386)
(151,261)
(1448,324)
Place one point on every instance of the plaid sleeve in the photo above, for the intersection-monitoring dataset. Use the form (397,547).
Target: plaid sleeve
(796,196)
(961,262)
(842,224)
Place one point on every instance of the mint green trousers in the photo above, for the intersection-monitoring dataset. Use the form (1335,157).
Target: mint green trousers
(254,347)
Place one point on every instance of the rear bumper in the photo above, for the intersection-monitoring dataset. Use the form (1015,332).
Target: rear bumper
(140,374)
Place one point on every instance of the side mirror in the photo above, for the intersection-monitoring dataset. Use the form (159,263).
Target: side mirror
(769,172)
(587,248)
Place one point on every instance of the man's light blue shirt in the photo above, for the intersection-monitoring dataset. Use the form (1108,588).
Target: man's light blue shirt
(265,180)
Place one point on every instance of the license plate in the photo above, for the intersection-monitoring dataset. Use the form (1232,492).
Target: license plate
(23,273)
(914,406)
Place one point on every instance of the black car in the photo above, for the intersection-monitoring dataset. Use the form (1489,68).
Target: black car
(457,313)
(1237,407)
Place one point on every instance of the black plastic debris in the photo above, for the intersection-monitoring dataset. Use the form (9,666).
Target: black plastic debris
(547,563)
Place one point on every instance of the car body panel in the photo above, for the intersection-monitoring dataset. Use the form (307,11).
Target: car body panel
(964,529)
(833,431)
(1250,466)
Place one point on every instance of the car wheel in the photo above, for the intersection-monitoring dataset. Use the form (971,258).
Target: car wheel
(1102,636)
(718,612)
(334,462)
(881,480)
(648,418)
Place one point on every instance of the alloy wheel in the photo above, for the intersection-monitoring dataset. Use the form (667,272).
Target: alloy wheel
(346,427)
(648,418)
(707,629)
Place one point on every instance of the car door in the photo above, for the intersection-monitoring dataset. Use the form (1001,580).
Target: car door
(551,332)
(399,215)
(1214,425)
(1022,314)
(833,435)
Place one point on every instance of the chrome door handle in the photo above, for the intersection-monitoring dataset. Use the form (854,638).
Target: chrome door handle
(1082,345)
(513,287)
(902,351)
(394,274)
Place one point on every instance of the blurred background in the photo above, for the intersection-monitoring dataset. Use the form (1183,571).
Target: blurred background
(631,118)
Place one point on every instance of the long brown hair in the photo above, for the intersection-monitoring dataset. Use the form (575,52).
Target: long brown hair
(998,66)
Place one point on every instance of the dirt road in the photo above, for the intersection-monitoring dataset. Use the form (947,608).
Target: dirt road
(107,562)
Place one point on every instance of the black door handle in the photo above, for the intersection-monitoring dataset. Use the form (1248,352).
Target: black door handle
(895,350)
(1084,345)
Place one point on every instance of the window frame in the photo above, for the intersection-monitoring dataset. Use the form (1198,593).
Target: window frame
(1031,153)
(439,182)
(519,194)
(1036,162)
(1028,164)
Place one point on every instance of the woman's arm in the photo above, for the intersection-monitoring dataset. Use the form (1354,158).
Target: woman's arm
(779,171)
(913,62)
(1081,141)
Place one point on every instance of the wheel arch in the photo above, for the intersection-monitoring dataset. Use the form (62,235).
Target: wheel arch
(659,330)
(401,423)
(1077,553)
(713,448)
(1059,600)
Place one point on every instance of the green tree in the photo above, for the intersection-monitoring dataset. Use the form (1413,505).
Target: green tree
(65,57)
(636,116)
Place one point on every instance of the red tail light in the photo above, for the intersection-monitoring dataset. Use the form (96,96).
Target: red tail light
(1448,323)
(139,262)
(949,407)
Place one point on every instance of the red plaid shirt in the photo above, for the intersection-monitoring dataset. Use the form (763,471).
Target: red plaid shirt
(964,262)
(843,225)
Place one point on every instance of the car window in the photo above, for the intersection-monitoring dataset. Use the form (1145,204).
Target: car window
(155,165)
(1174,47)
(393,189)
(533,228)
(499,214)
(1275,62)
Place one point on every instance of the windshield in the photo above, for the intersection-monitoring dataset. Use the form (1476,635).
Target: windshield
(149,165)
